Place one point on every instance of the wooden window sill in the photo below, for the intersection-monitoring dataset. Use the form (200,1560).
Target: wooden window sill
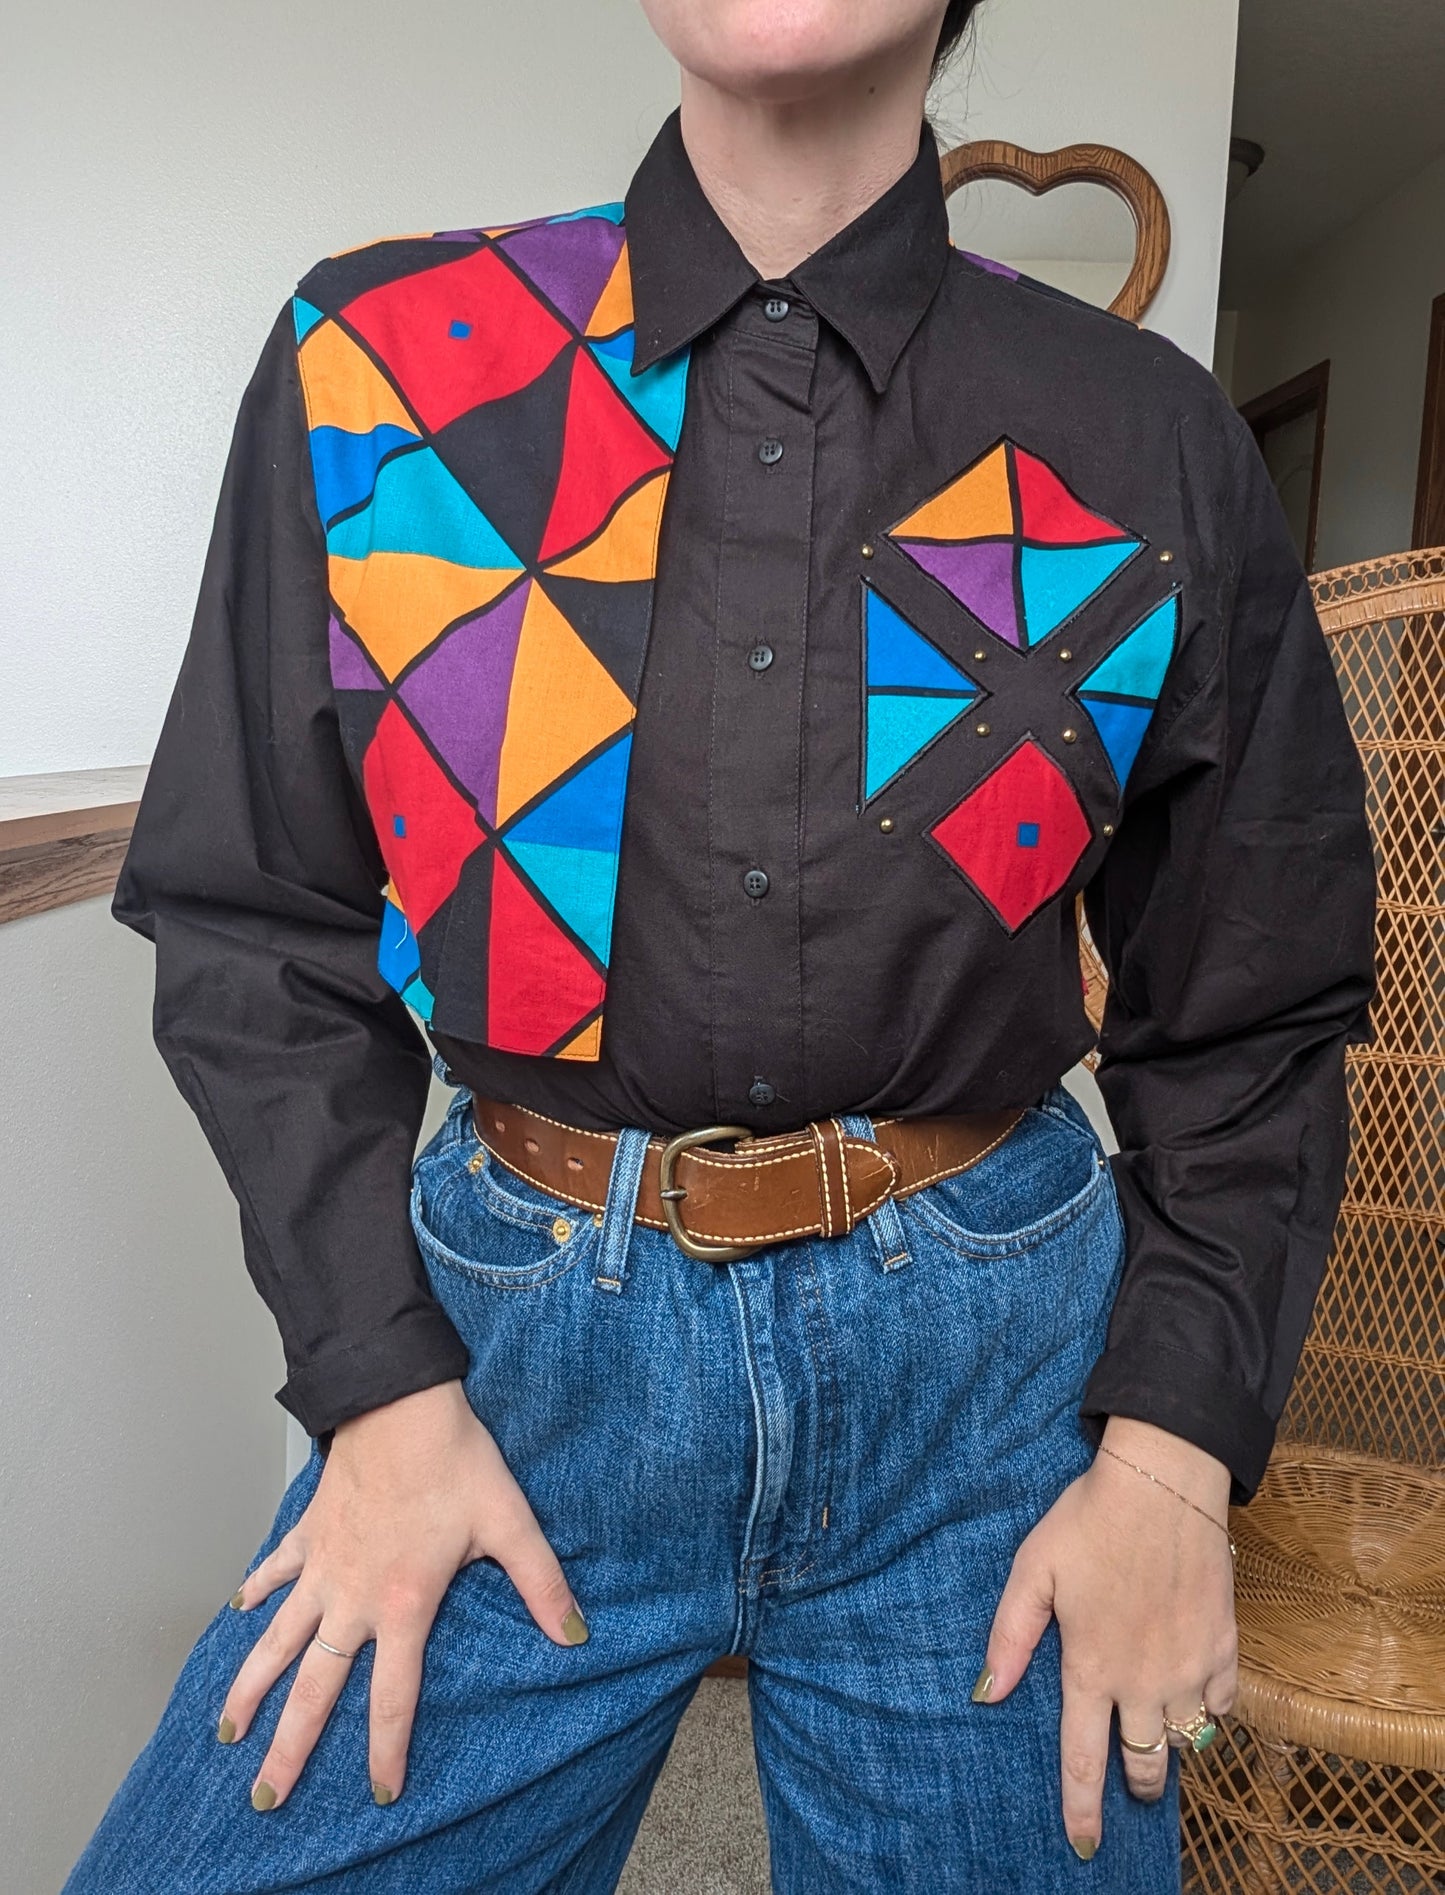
(63,836)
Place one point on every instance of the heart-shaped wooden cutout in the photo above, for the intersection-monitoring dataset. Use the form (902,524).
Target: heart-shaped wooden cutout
(1040,171)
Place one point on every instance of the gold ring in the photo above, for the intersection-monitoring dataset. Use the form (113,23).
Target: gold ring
(1199,1731)
(1145,1750)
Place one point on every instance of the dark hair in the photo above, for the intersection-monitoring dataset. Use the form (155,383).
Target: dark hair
(955,25)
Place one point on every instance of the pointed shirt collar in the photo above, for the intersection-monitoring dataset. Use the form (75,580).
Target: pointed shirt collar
(871,281)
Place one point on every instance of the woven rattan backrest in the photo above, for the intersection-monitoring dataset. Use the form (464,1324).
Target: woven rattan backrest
(1372,1376)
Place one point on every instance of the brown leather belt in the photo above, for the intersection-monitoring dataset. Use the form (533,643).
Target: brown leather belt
(817,1182)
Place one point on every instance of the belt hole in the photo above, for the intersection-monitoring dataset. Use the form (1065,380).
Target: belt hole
(574,1164)
(531,1145)
(499,1125)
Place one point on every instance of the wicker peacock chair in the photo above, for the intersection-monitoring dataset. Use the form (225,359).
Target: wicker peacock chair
(1330,1775)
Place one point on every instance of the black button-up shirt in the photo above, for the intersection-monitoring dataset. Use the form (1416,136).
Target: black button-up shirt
(969,598)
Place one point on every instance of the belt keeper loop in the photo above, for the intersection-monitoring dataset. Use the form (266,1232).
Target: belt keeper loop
(884,1223)
(620,1209)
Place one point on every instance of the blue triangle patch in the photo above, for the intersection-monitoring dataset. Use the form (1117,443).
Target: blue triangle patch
(1121,729)
(900,658)
(899,728)
(586,811)
(1058,580)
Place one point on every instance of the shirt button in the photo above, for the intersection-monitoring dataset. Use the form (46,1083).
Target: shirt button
(760,657)
(755,884)
(761,1093)
(770,452)
(776,307)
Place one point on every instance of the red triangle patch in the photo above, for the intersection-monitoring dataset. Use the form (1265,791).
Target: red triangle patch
(425,827)
(539,983)
(1051,514)
(605,451)
(458,335)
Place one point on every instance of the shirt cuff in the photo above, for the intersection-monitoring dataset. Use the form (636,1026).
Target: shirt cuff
(417,1350)
(1187,1396)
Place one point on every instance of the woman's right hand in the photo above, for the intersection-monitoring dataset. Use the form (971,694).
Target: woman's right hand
(410,1493)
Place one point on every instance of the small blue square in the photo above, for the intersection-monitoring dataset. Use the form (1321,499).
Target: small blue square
(460,330)
(1028,835)
(398,824)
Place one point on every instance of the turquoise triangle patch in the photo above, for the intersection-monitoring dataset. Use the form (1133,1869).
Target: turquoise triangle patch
(899,727)
(579,883)
(901,658)
(656,394)
(306,316)
(418,506)
(1058,580)
(1136,665)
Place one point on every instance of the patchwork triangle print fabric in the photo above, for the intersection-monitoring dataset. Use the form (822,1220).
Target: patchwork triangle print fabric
(1121,691)
(1012,544)
(913,693)
(491,476)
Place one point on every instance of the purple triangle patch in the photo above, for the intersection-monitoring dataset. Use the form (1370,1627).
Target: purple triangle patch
(458,695)
(979,574)
(570,263)
(351,669)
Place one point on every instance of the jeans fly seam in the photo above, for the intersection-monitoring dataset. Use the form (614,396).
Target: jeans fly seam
(761,1472)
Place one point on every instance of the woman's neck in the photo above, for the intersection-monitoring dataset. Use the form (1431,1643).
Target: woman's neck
(785,176)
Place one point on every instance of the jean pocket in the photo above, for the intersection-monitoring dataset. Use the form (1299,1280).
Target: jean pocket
(475,1218)
(1044,1174)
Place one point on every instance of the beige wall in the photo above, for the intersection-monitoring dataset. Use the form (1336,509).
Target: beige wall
(1363,301)
(170,168)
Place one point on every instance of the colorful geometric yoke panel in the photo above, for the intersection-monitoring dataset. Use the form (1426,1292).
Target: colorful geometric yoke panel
(491,478)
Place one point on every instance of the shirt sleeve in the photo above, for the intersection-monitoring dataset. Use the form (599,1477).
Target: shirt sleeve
(1235,915)
(255,871)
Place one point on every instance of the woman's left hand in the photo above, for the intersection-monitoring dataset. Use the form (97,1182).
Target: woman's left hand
(1143,1590)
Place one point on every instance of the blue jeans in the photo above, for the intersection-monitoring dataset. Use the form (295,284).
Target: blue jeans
(823,1456)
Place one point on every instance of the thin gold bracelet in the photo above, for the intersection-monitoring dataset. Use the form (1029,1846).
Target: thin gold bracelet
(1233,1551)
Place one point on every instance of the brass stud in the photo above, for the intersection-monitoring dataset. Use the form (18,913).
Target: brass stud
(1166,558)
(980,656)
(477,1160)
(982,729)
(597,1219)
(867,549)
(1108,829)
(561,1229)
(1070,736)
(1065,655)
(885,823)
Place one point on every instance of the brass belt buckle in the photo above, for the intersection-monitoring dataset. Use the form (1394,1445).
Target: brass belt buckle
(672,1194)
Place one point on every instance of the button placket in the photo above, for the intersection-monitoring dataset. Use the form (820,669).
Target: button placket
(755,749)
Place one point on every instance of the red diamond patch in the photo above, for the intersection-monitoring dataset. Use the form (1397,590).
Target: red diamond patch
(1017,835)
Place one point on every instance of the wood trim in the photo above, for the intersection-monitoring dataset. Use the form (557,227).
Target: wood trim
(1430,486)
(63,836)
(1039,171)
(1308,390)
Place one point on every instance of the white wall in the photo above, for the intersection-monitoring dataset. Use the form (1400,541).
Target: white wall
(140,1450)
(1362,300)
(170,168)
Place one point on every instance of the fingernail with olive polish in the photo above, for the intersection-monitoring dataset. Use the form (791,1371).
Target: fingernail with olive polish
(263,1796)
(574,1628)
(226,1731)
(238,1599)
(1083,1847)
(984,1685)
(383,1793)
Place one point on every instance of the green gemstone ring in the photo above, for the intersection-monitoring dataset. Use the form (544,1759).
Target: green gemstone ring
(1199,1732)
